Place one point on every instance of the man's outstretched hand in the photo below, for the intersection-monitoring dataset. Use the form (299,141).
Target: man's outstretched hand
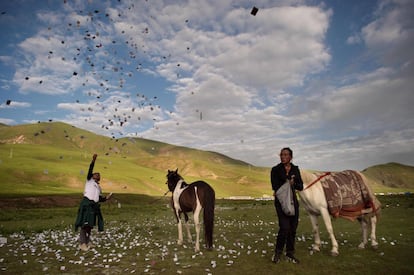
(94,157)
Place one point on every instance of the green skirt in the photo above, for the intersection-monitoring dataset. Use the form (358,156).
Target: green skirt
(89,213)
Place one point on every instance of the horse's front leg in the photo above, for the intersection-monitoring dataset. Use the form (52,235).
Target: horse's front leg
(329,228)
(315,230)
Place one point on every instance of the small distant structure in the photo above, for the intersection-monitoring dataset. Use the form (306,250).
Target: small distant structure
(240,198)
(265,198)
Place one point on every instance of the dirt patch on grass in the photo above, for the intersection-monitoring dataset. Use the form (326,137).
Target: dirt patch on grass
(40,201)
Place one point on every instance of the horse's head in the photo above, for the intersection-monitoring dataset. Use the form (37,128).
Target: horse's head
(172,179)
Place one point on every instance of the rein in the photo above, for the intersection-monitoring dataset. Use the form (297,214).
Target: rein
(318,179)
(165,194)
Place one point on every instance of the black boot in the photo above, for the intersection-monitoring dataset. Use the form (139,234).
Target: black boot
(291,258)
(276,258)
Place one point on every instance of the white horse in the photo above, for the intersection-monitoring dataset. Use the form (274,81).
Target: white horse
(316,204)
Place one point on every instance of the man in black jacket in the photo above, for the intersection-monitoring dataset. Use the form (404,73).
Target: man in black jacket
(286,171)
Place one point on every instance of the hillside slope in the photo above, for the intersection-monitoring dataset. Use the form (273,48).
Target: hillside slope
(53,158)
(392,175)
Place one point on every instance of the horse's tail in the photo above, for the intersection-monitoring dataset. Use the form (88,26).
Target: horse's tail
(374,202)
(209,200)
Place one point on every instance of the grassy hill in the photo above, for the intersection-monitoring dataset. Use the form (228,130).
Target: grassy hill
(391,176)
(53,158)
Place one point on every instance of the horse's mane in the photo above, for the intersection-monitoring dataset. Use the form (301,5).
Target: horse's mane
(307,176)
(176,178)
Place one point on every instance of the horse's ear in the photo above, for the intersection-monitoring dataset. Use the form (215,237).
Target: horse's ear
(176,170)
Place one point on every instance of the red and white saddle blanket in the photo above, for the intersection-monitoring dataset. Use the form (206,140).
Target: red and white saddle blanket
(348,196)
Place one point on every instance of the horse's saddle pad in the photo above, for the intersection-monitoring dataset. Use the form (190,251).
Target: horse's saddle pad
(347,194)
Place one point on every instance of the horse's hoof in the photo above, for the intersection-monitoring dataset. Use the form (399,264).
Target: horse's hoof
(361,246)
(334,253)
(316,248)
(375,247)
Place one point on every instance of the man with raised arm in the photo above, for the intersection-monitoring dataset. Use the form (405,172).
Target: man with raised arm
(89,212)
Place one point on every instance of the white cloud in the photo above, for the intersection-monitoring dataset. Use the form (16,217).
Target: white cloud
(391,35)
(229,72)
(244,85)
(7,121)
(354,39)
(15,104)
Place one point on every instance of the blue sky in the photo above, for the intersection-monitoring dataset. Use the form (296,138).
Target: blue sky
(333,80)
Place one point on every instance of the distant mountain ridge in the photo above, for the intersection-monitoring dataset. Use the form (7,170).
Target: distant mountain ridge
(53,157)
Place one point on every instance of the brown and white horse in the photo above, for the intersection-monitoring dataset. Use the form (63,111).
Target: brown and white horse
(192,198)
(340,194)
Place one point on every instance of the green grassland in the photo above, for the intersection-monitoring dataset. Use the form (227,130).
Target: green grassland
(42,173)
(140,238)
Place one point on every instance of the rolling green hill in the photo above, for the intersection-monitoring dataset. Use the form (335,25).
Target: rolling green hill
(393,176)
(53,158)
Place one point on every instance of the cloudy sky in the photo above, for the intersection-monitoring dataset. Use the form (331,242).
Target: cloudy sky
(333,80)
